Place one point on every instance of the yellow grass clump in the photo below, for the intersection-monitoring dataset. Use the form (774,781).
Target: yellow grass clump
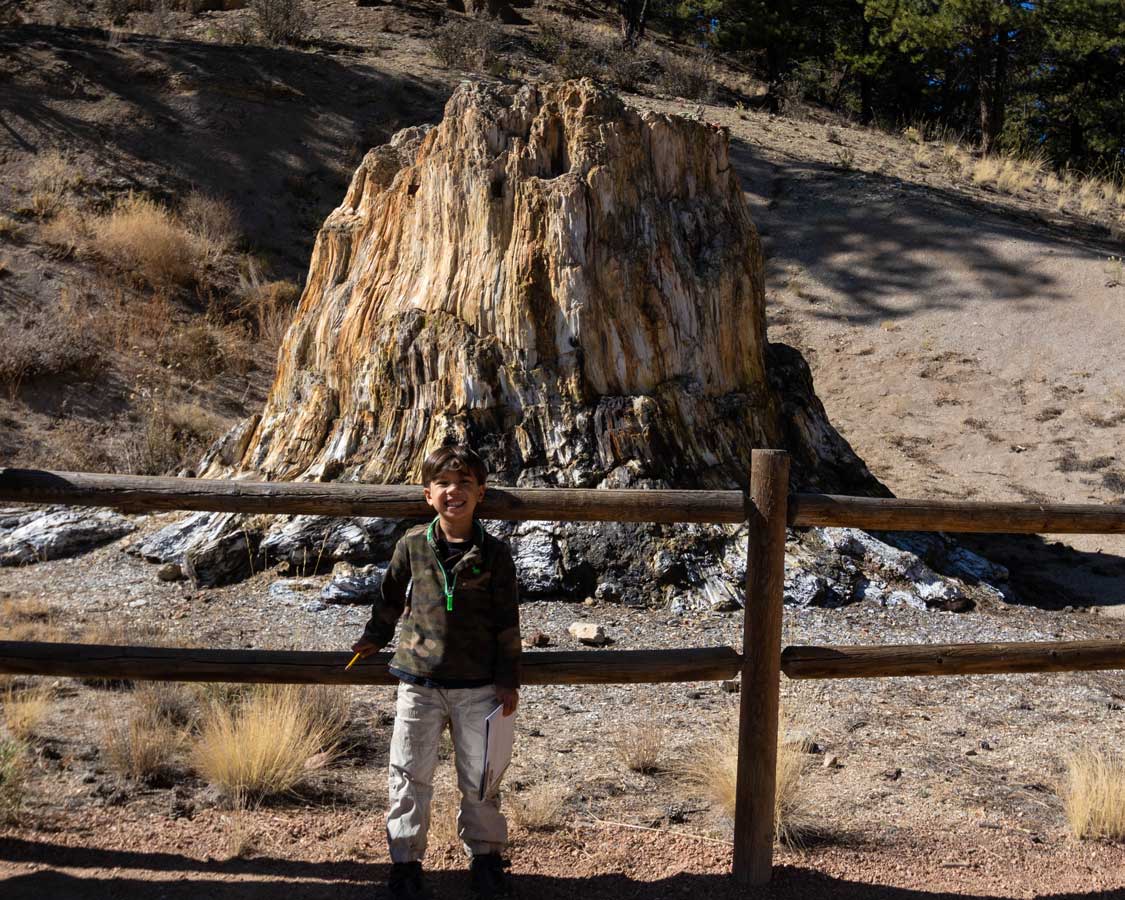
(67,232)
(1094,794)
(142,744)
(13,779)
(712,767)
(540,808)
(25,710)
(639,747)
(213,222)
(49,177)
(986,170)
(266,745)
(143,236)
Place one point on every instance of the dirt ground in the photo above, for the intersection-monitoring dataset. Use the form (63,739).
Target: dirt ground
(966,344)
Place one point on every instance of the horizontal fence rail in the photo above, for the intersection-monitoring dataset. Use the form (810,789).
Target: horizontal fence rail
(893,514)
(892,661)
(328,667)
(139,493)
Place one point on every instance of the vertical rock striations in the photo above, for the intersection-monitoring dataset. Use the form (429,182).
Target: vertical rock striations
(570,285)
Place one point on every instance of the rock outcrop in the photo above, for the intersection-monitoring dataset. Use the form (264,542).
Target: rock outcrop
(570,285)
(36,535)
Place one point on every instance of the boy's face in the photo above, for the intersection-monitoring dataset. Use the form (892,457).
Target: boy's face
(454,494)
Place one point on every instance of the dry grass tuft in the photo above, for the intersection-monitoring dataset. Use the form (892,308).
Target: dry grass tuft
(141,235)
(712,766)
(444,807)
(49,177)
(45,347)
(639,747)
(267,745)
(540,809)
(25,710)
(141,744)
(167,701)
(986,170)
(13,779)
(66,233)
(269,305)
(10,229)
(1014,176)
(1094,795)
(242,840)
(27,619)
(214,223)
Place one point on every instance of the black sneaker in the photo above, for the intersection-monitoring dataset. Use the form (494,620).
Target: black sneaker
(487,877)
(406,882)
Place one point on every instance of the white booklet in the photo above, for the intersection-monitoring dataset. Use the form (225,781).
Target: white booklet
(499,737)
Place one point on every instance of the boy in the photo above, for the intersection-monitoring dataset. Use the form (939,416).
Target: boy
(457,659)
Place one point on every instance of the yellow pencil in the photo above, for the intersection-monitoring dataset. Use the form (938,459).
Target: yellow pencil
(352,663)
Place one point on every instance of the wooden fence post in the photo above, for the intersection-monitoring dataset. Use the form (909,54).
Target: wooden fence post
(761,668)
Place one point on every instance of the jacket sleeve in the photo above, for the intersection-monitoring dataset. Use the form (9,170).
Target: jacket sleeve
(388,606)
(506,606)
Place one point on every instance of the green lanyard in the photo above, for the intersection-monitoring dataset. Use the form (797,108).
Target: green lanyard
(449,588)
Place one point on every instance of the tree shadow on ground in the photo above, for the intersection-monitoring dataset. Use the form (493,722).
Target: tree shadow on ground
(173,876)
(274,131)
(884,247)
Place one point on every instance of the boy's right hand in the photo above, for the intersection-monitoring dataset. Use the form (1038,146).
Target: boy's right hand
(364,647)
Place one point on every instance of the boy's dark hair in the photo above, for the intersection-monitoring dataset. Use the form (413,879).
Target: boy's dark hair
(456,458)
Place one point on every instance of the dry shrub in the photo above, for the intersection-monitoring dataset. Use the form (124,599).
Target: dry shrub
(268,744)
(1094,794)
(1013,177)
(46,347)
(196,351)
(473,46)
(141,235)
(283,21)
(142,744)
(639,746)
(28,619)
(691,76)
(588,53)
(10,229)
(13,779)
(172,436)
(25,710)
(66,233)
(712,766)
(985,170)
(49,177)
(167,701)
(213,221)
(540,808)
(268,304)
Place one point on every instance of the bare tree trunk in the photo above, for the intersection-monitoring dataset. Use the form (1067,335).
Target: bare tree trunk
(633,16)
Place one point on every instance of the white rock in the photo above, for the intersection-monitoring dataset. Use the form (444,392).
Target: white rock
(588,632)
(56,533)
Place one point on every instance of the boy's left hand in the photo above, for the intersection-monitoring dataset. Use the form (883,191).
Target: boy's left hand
(509,698)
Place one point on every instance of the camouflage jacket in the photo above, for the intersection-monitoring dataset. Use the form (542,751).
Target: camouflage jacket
(471,630)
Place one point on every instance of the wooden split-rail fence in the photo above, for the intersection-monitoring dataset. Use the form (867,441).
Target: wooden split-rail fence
(767,508)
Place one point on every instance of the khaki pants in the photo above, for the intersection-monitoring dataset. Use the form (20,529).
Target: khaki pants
(421,714)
